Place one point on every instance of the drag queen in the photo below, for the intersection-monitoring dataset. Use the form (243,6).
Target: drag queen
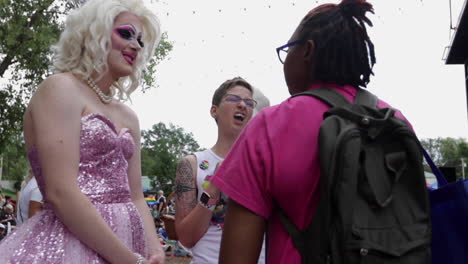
(84,144)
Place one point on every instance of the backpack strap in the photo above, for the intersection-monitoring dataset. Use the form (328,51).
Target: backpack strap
(364,97)
(311,250)
(327,95)
(293,231)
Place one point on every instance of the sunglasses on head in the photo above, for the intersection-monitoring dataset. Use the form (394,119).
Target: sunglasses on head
(237,99)
(129,34)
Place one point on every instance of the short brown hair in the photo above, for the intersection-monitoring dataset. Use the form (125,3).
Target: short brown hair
(225,86)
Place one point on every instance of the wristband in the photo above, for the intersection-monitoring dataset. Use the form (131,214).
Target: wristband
(207,202)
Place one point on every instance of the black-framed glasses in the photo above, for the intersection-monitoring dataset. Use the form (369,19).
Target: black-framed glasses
(237,99)
(283,50)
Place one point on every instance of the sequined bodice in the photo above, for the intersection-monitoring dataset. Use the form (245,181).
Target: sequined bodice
(104,152)
(103,177)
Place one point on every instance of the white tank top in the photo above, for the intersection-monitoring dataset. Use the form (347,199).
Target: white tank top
(206,250)
(29,193)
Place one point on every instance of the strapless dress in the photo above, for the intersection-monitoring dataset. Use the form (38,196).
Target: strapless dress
(102,177)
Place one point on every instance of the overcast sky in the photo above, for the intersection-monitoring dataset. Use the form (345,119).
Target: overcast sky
(215,40)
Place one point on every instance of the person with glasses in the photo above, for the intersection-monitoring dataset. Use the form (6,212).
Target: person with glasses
(200,207)
(275,161)
(83,143)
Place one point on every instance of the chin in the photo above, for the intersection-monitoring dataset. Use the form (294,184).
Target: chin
(120,70)
(241,127)
(120,73)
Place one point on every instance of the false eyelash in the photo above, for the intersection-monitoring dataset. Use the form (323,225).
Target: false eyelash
(124,33)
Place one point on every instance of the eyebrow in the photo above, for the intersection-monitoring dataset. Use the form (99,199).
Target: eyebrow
(239,96)
(130,27)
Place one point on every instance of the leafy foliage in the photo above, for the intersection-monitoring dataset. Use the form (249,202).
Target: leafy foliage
(448,152)
(15,165)
(162,147)
(149,79)
(27,30)
(11,115)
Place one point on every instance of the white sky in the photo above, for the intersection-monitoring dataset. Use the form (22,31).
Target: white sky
(215,40)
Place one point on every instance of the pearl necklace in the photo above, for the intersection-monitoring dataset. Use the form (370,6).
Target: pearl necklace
(104,98)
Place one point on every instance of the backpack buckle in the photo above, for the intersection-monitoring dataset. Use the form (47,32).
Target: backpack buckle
(365,121)
(364,252)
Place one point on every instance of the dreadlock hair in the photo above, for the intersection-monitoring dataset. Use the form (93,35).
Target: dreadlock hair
(344,54)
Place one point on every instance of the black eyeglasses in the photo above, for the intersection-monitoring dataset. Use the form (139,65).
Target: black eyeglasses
(283,50)
(237,99)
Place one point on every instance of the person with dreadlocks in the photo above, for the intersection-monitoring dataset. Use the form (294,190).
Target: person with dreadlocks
(275,160)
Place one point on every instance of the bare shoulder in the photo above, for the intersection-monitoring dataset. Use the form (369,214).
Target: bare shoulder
(129,116)
(62,88)
(188,161)
(186,170)
(58,82)
(58,104)
(191,158)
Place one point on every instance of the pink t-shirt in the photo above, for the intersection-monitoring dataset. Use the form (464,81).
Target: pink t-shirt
(276,159)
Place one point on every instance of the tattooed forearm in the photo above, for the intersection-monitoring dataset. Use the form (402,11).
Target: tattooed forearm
(185,184)
(192,203)
(184,178)
(179,189)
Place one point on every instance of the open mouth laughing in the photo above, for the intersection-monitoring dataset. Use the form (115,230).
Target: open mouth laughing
(239,116)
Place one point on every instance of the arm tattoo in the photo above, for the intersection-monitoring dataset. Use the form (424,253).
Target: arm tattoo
(185,183)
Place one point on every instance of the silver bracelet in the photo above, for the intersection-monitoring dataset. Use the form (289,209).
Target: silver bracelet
(140,258)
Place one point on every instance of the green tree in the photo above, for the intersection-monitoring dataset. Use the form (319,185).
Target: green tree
(27,30)
(15,164)
(448,152)
(162,147)
(11,115)
(432,146)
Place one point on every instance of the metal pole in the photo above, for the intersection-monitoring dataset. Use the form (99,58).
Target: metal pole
(466,84)
(1,166)
(463,168)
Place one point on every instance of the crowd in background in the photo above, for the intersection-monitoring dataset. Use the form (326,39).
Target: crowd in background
(13,212)
(12,215)
(7,215)
(163,210)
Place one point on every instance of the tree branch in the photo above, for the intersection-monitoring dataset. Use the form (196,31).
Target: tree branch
(21,38)
(7,61)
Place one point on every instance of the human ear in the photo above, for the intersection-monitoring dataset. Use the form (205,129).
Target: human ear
(309,49)
(214,111)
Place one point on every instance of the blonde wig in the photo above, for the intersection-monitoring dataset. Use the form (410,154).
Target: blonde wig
(84,45)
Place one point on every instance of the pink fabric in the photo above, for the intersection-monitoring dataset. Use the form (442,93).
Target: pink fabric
(276,159)
(103,178)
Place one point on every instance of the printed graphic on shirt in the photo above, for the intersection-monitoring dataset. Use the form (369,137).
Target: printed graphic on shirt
(220,210)
(204,165)
(205,183)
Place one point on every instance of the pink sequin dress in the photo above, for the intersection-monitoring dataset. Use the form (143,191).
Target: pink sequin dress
(103,179)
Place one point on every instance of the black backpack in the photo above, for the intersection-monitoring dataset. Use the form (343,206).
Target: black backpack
(374,206)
